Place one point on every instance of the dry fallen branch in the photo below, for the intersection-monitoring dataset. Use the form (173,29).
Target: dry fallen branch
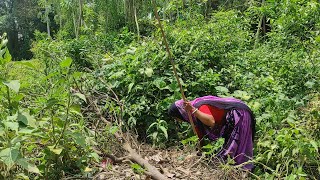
(132,154)
(151,170)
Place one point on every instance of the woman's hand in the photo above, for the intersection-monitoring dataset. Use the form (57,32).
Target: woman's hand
(203,117)
(188,106)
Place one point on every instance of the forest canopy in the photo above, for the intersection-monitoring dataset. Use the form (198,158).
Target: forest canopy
(75,73)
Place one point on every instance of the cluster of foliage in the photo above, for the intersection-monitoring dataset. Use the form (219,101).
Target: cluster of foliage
(266,54)
(42,129)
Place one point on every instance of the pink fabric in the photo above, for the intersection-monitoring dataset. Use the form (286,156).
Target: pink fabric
(237,131)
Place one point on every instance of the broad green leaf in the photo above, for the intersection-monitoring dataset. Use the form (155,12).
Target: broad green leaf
(13,85)
(9,156)
(173,87)
(269,155)
(295,151)
(130,87)
(95,156)
(79,139)
(222,89)
(18,139)
(208,146)
(7,56)
(77,74)
(154,135)
(314,144)
(131,51)
(113,129)
(241,94)
(12,125)
(22,176)
(26,131)
(2,51)
(149,72)
(28,64)
(309,84)
(284,151)
(1,131)
(66,62)
(55,150)
(164,130)
(18,97)
(153,124)
(76,109)
(25,118)
(160,84)
(81,96)
(4,42)
(27,166)
(51,102)
(87,169)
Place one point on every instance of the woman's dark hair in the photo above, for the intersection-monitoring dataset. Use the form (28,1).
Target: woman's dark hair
(174,111)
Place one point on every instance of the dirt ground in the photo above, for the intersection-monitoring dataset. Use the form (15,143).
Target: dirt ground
(173,163)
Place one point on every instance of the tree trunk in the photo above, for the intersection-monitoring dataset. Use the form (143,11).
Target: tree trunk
(48,20)
(80,19)
(75,25)
(136,20)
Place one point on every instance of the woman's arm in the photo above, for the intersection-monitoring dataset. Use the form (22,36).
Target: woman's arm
(203,117)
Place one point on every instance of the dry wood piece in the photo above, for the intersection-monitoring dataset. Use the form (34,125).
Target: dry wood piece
(132,154)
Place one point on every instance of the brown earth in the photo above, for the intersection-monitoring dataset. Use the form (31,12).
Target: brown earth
(173,163)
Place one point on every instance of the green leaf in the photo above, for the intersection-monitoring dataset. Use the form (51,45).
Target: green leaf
(2,51)
(25,118)
(113,129)
(160,84)
(130,87)
(309,84)
(13,85)
(77,74)
(153,124)
(66,62)
(27,166)
(149,72)
(9,156)
(241,94)
(26,131)
(222,90)
(137,168)
(95,156)
(81,96)
(269,155)
(4,42)
(1,131)
(164,130)
(55,150)
(7,56)
(314,144)
(79,139)
(51,102)
(28,64)
(76,109)
(154,135)
(11,125)
(18,139)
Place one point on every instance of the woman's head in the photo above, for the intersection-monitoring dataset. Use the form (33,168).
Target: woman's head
(174,112)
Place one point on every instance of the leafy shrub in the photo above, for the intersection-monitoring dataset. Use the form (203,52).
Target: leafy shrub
(276,77)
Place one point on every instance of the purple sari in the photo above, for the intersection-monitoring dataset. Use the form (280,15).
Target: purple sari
(237,130)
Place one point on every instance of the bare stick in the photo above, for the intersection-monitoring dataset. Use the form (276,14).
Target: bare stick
(173,65)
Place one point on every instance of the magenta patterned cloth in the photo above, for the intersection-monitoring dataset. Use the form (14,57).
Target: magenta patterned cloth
(238,130)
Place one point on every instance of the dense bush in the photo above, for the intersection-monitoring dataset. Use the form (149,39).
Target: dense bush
(217,56)
(277,75)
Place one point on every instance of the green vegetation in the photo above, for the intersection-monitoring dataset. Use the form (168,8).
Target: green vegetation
(267,54)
